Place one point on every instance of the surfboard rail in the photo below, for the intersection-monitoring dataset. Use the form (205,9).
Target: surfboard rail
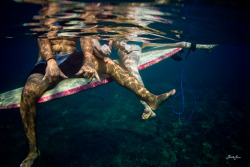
(67,87)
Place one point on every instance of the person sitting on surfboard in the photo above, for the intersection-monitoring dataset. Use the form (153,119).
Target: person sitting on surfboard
(89,64)
(60,60)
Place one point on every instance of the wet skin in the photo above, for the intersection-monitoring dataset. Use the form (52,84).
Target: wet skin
(130,56)
(89,66)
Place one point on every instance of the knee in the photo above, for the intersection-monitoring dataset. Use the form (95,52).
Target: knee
(31,89)
(34,79)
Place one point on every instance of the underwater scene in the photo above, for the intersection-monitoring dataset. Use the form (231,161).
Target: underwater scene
(198,48)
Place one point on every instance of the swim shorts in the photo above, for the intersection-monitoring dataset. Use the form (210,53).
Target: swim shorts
(69,64)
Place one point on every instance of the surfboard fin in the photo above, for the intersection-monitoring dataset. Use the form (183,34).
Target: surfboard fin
(176,57)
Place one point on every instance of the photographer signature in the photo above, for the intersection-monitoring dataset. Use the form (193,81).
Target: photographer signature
(233,157)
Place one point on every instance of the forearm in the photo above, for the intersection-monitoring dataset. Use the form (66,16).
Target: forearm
(96,45)
(45,49)
(87,47)
(93,46)
(88,69)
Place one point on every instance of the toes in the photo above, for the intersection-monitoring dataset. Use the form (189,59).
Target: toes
(145,115)
(148,113)
(172,92)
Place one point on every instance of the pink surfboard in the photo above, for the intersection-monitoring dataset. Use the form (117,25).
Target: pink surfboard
(11,99)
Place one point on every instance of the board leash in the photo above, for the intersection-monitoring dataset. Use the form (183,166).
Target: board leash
(182,108)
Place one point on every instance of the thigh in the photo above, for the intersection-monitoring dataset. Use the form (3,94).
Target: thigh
(34,87)
(72,65)
(104,65)
(35,77)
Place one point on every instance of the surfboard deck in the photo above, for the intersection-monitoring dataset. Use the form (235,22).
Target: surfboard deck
(11,99)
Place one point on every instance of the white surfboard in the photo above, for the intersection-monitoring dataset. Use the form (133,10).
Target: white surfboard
(11,99)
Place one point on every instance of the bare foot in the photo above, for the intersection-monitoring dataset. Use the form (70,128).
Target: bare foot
(160,99)
(29,160)
(148,113)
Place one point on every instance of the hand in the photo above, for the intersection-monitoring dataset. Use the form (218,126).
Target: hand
(53,72)
(101,51)
(88,72)
(105,49)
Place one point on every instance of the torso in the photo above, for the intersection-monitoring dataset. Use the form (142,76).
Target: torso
(63,46)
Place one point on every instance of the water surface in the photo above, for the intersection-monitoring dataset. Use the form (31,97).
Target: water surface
(103,127)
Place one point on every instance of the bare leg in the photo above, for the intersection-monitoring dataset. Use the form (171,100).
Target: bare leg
(122,76)
(133,69)
(125,79)
(130,62)
(32,91)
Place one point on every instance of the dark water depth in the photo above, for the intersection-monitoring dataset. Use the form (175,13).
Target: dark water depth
(103,126)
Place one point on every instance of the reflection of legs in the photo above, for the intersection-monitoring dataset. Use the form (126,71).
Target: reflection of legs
(32,91)
(125,79)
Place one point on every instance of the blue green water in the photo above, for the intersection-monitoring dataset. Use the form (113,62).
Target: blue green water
(103,126)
